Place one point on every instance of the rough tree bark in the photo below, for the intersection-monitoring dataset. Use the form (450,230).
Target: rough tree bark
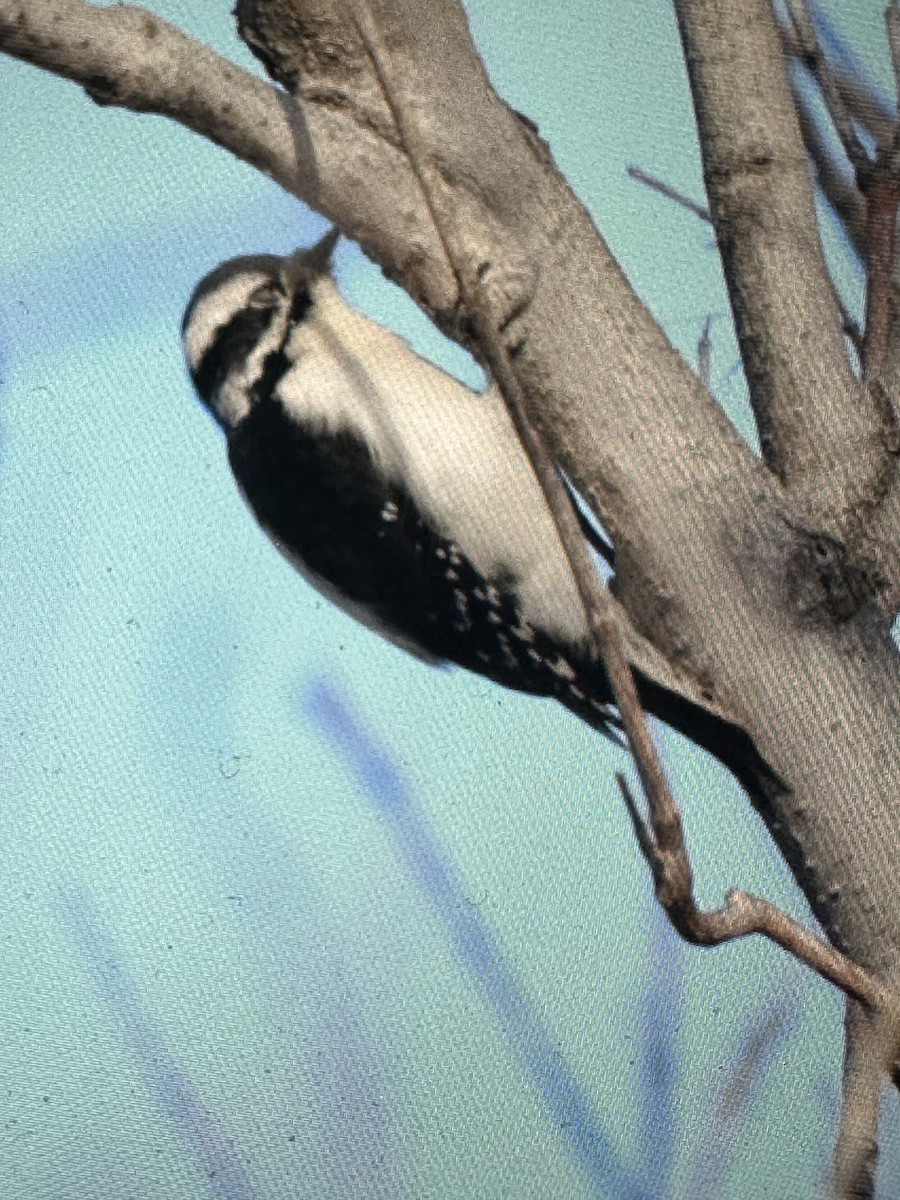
(755,596)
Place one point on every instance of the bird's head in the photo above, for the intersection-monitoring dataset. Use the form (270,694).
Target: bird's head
(239,315)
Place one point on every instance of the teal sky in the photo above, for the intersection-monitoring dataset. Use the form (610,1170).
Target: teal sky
(288,913)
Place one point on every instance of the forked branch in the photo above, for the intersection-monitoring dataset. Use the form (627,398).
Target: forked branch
(661,838)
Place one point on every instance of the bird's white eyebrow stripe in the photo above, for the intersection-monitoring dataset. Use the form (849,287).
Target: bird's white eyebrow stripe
(203,323)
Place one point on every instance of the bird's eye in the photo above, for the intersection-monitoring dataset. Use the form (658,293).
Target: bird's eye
(266,295)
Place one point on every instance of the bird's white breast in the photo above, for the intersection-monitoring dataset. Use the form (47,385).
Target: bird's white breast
(454,450)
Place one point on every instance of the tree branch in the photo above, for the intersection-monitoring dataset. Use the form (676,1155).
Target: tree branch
(813,58)
(666,189)
(837,183)
(661,839)
(127,56)
(815,424)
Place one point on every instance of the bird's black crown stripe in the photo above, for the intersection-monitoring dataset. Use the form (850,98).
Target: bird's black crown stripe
(277,363)
(230,347)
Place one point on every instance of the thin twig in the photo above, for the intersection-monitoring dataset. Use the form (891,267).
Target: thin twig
(870,1045)
(704,351)
(662,841)
(659,185)
(662,838)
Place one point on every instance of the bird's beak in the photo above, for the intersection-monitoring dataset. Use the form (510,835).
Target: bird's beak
(307,263)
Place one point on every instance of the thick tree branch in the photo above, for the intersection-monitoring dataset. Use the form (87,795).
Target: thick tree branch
(815,423)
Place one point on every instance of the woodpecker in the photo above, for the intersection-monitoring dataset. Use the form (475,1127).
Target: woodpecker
(397,492)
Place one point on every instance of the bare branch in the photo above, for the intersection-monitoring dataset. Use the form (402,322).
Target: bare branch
(892,25)
(867,107)
(736,1092)
(861,99)
(659,185)
(127,56)
(837,183)
(878,180)
(815,426)
(661,839)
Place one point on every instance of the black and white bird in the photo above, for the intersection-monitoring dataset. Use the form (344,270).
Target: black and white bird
(401,495)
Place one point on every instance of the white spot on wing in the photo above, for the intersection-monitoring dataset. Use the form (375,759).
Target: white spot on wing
(562,669)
